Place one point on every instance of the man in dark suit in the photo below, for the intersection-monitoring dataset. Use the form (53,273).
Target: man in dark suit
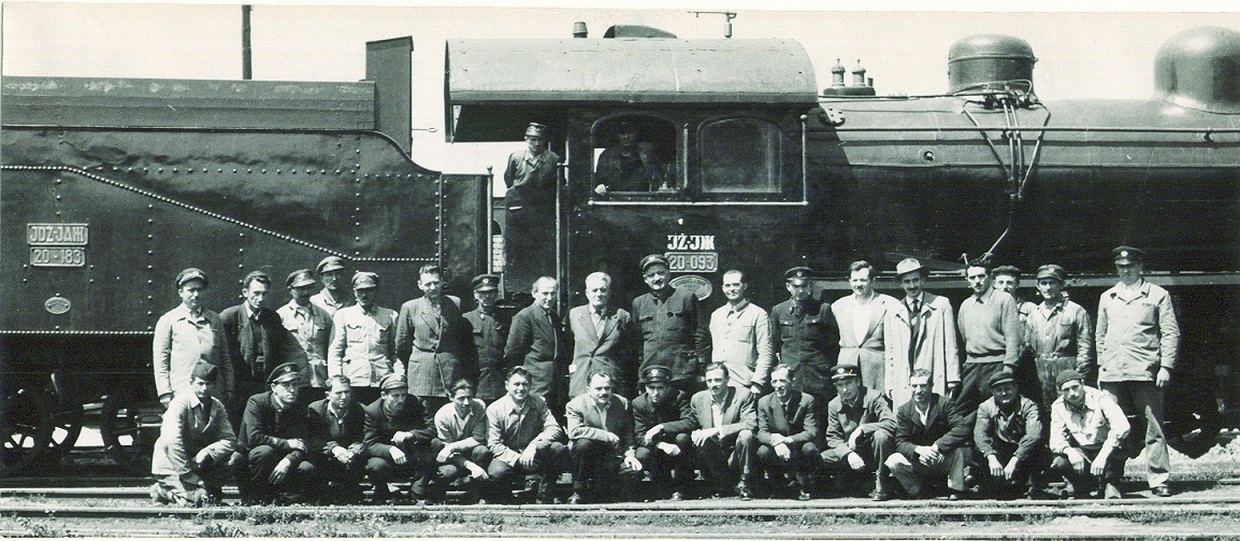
(399,439)
(602,340)
(337,428)
(600,433)
(662,421)
(931,440)
(490,334)
(431,341)
(860,429)
(788,432)
(275,464)
(257,342)
(537,343)
(725,442)
(804,335)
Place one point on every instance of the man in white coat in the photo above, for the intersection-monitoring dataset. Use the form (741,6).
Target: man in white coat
(920,333)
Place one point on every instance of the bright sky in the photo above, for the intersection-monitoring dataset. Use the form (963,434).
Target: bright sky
(1099,54)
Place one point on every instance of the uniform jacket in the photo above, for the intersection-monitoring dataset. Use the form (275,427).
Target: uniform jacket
(538,343)
(944,428)
(739,411)
(610,351)
(1020,428)
(180,342)
(182,436)
(934,350)
(1066,332)
(382,424)
(363,345)
(741,340)
(326,433)
(431,344)
(1137,333)
(872,415)
(675,414)
(872,346)
(531,180)
(490,335)
(800,427)
(671,333)
(263,424)
(273,341)
(584,422)
(330,304)
(806,339)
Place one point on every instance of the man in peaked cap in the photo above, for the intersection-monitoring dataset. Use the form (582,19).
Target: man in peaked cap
(921,333)
(187,334)
(400,438)
(804,335)
(257,341)
(1058,334)
(532,180)
(195,442)
(335,293)
(363,346)
(311,326)
(672,334)
(860,429)
(1138,341)
(490,334)
(276,466)
(662,423)
(1010,440)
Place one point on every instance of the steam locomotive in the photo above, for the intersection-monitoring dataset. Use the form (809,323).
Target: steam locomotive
(109,187)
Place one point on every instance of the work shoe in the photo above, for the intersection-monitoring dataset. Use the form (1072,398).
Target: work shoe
(1162,491)
(1111,492)
(804,495)
(880,496)
(575,499)
(743,491)
(677,496)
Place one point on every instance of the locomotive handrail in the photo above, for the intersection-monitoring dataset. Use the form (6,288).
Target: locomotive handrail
(1104,129)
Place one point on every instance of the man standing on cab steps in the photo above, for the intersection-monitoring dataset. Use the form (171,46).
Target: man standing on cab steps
(532,179)
(1138,342)
(805,336)
(668,321)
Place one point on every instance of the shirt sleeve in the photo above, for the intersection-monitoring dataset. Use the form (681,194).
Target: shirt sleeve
(162,351)
(762,333)
(1169,332)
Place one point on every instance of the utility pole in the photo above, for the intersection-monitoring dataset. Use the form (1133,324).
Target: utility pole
(727,23)
(247,69)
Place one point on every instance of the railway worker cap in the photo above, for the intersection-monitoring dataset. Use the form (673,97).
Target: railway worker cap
(653,259)
(191,274)
(205,371)
(1052,271)
(365,280)
(798,276)
(1002,376)
(536,130)
(300,278)
(1127,255)
(656,374)
(328,264)
(1068,374)
(485,282)
(393,381)
(1007,270)
(845,371)
(284,373)
(909,265)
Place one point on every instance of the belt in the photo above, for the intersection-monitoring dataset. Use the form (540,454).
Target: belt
(988,358)
(1053,357)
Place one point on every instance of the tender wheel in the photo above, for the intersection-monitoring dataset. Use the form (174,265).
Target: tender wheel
(26,429)
(129,429)
(66,424)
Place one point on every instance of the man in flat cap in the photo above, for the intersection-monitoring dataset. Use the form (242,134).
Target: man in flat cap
(524,438)
(537,342)
(603,340)
(363,346)
(788,434)
(532,179)
(601,446)
(461,426)
(1138,345)
(920,334)
(490,335)
(662,423)
(335,293)
(672,335)
(804,335)
(311,326)
(275,430)
(740,336)
(400,440)
(1058,335)
(187,334)
(860,431)
(337,429)
(931,440)
(432,341)
(190,460)
(1086,438)
(991,332)
(860,317)
(1010,441)
(724,440)
(257,341)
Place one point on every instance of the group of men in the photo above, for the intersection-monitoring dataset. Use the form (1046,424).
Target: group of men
(906,395)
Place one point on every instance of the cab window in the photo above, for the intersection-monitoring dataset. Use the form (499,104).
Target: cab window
(740,155)
(635,154)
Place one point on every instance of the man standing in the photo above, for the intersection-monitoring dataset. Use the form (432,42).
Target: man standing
(725,440)
(668,320)
(430,341)
(860,317)
(334,295)
(805,335)
(536,342)
(461,426)
(990,329)
(275,430)
(1007,280)
(363,346)
(257,341)
(1059,335)
(1138,343)
(1008,436)
(523,436)
(740,333)
(399,440)
(600,434)
(788,433)
(190,460)
(337,431)
(187,334)
(860,429)
(1087,431)
(920,334)
(602,340)
(490,334)
(311,326)
(532,179)
(931,439)
(662,422)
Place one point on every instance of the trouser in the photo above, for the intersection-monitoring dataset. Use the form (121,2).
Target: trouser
(669,473)
(973,385)
(1142,402)
(913,475)
(874,448)
(1022,476)
(243,389)
(418,468)
(201,483)
(367,395)
(253,475)
(724,460)
(597,467)
(549,458)
(803,459)
(1083,481)
(455,468)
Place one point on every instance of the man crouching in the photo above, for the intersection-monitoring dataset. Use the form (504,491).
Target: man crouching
(195,443)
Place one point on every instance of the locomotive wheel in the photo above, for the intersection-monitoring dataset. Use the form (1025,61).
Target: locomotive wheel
(26,429)
(66,427)
(129,429)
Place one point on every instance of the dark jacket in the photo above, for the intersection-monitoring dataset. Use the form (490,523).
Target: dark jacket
(873,414)
(806,339)
(944,428)
(490,335)
(276,345)
(672,334)
(263,424)
(541,347)
(381,425)
(674,414)
(326,433)
(800,428)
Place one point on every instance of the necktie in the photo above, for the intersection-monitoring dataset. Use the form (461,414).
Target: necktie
(914,324)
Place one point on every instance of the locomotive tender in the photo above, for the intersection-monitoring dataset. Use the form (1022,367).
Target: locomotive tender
(110,187)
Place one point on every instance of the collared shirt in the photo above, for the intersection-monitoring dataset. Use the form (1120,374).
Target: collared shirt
(1018,427)
(1099,421)
(451,427)
(597,317)
(511,429)
(363,345)
(741,340)
(312,327)
(990,327)
(186,429)
(329,303)
(861,316)
(716,411)
(1138,333)
(1062,330)
(181,340)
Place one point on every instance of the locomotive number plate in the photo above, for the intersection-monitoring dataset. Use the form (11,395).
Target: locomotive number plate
(693,261)
(57,256)
(57,234)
